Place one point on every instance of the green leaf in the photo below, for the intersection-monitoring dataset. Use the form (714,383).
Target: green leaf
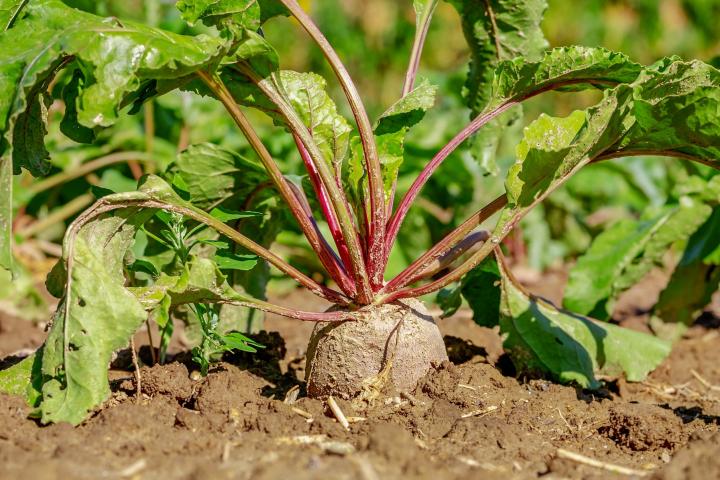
(213,175)
(408,111)
(689,290)
(481,288)
(674,110)
(244,13)
(10,10)
(98,313)
(69,124)
(225,214)
(144,266)
(96,316)
(272,8)
(23,378)
(200,281)
(570,347)
(262,229)
(693,282)
(259,54)
(219,244)
(546,143)
(392,126)
(621,255)
(703,245)
(115,59)
(648,116)
(553,149)
(496,30)
(565,68)
(28,137)
(227,260)
(449,300)
(238,341)
(331,131)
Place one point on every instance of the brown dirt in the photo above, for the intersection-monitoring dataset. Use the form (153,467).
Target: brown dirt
(466,419)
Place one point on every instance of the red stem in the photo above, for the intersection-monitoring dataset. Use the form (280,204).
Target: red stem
(328,211)
(335,270)
(498,236)
(375,261)
(306,222)
(414,191)
(396,221)
(414,271)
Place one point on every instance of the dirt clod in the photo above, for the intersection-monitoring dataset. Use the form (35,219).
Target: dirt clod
(641,427)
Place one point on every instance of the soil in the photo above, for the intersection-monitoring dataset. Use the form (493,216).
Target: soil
(468,418)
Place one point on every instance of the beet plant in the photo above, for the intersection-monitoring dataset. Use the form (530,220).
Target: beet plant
(378,329)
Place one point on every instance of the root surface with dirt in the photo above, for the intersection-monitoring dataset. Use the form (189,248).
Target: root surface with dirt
(391,344)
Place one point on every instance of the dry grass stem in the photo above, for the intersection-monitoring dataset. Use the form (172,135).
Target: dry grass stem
(292,395)
(136,365)
(564,419)
(133,469)
(704,382)
(356,419)
(480,413)
(335,409)
(329,446)
(411,398)
(301,412)
(591,462)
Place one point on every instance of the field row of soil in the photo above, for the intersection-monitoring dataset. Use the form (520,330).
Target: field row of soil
(468,418)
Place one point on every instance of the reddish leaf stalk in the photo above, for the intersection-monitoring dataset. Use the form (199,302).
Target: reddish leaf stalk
(306,223)
(414,191)
(377,214)
(329,180)
(414,271)
(324,201)
(103,206)
(423,25)
(464,246)
(498,236)
(396,221)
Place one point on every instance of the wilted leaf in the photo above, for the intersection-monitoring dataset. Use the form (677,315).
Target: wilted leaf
(96,316)
(114,57)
